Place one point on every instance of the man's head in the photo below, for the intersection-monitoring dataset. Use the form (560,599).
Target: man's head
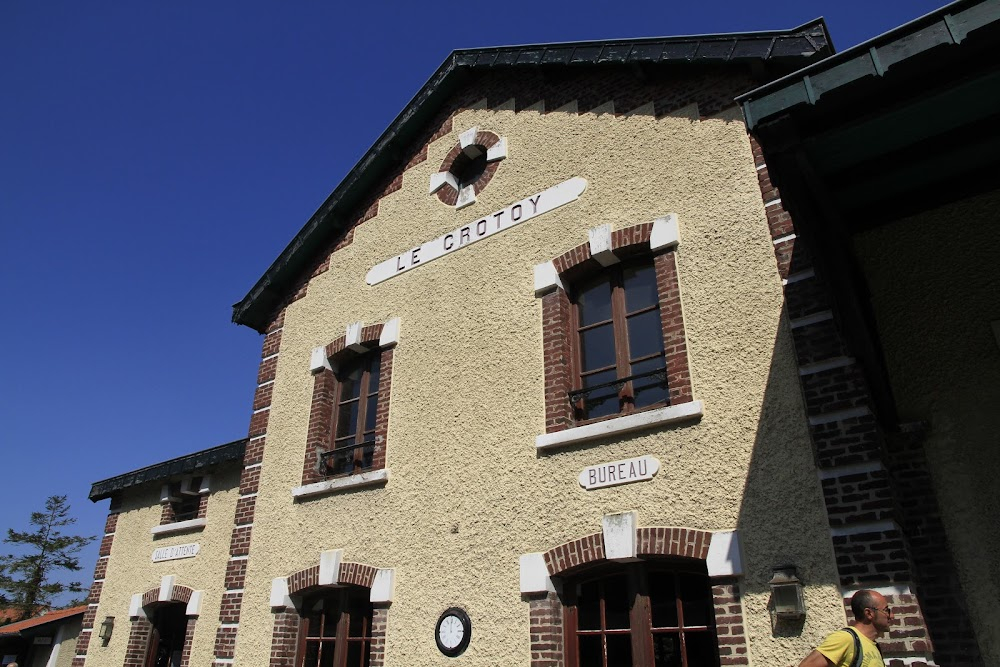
(871,608)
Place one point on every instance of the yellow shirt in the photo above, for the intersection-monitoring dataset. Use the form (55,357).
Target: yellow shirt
(839,648)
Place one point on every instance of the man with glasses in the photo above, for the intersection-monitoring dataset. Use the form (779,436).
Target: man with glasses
(872,616)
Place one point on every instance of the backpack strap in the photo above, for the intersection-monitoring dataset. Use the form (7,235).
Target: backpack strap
(858,655)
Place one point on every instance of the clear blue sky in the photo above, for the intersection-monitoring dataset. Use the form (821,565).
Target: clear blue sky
(156,157)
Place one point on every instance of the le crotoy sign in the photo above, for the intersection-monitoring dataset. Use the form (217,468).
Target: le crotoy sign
(176,552)
(505,218)
(619,472)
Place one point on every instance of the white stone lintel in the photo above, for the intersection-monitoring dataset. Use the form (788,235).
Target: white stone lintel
(497,151)
(600,245)
(167,587)
(441,179)
(666,233)
(390,333)
(384,585)
(546,278)
(135,607)
(534,575)
(725,558)
(466,196)
(179,526)
(318,361)
(194,604)
(329,566)
(370,478)
(621,425)
(620,535)
(468,138)
(279,592)
(352,337)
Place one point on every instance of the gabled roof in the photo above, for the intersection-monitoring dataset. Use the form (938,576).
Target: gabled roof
(778,51)
(38,621)
(182,465)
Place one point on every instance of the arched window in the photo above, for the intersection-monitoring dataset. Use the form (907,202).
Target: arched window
(336,629)
(641,614)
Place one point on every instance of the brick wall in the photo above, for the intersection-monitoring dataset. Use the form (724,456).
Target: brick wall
(94,595)
(885,527)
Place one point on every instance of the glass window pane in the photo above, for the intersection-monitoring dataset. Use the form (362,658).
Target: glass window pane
(616,603)
(350,383)
(601,402)
(667,651)
(588,606)
(619,650)
(312,655)
(652,389)
(597,347)
(640,287)
(374,365)
(354,654)
(594,303)
(697,600)
(331,620)
(663,599)
(327,653)
(591,651)
(645,334)
(361,615)
(371,409)
(347,419)
(314,622)
(701,648)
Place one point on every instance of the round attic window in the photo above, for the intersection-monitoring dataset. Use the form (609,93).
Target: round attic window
(468,167)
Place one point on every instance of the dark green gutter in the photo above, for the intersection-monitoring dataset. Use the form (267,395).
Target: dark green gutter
(949,25)
(780,47)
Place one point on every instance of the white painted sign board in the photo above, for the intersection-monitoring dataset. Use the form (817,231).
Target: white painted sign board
(176,552)
(619,472)
(505,218)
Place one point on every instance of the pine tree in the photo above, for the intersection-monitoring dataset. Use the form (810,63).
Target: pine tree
(26,579)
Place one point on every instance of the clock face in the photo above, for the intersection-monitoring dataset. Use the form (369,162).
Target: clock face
(454,629)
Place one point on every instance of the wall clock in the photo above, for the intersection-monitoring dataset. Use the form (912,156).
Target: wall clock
(453,631)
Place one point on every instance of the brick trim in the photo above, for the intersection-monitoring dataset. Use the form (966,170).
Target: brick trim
(557,347)
(355,574)
(138,642)
(151,598)
(545,611)
(324,395)
(97,585)
(869,478)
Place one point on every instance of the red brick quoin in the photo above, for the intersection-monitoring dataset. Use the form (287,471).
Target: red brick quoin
(324,393)
(285,633)
(558,353)
(545,612)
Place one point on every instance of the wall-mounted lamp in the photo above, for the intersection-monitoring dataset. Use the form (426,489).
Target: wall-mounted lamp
(107,627)
(786,594)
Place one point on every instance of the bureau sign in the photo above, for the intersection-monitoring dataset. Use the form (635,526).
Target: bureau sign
(619,472)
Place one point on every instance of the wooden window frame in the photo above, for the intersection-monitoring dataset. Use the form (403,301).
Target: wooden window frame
(364,361)
(640,628)
(619,319)
(342,638)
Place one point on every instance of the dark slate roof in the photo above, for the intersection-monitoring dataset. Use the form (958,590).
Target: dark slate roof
(182,465)
(946,26)
(784,50)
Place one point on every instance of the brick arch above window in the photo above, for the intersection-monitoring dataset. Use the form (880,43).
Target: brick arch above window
(566,414)
(168,592)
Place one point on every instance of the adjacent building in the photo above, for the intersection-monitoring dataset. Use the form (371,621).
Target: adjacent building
(551,378)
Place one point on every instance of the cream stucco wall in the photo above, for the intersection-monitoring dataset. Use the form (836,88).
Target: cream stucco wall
(131,570)
(467,492)
(935,288)
(67,645)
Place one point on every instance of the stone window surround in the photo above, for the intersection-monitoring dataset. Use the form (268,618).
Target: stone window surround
(168,524)
(470,143)
(622,540)
(604,248)
(331,572)
(358,339)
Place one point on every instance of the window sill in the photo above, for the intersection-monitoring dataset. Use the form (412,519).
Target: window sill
(370,478)
(621,425)
(178,527)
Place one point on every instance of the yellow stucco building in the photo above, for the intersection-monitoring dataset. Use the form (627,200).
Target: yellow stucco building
(535,389)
